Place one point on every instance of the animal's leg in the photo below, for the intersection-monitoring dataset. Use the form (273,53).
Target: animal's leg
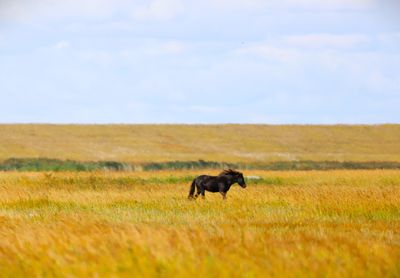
(203,191)
(223,195)
(222,191)
(198,187)
(200,190)
(192,189)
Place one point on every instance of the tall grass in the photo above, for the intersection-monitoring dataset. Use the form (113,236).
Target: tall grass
(314,223)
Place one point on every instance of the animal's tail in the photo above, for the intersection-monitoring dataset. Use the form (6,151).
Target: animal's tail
(192,189)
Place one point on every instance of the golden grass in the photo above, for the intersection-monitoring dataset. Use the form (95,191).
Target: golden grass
(334,223)
(229,143)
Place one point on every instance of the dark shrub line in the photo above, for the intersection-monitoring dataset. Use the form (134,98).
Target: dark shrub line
(46,164)
(187,165)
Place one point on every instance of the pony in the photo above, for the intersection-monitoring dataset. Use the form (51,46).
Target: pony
(221,183)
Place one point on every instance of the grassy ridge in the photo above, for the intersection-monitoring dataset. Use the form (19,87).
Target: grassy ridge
(244,144)
(313,224)
(43,164)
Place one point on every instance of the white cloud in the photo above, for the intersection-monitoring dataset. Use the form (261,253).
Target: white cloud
(390,39)
(327,40)
(143,50)
(159,10)
(237,4)
(298,48)
(270,52)
(62,45)
(360,71)
(27,10)
(98,57)
(154,48)
(327,5)
(380,82)
(205,109)
(173,47)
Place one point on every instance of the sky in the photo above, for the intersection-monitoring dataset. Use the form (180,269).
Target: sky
(208,61)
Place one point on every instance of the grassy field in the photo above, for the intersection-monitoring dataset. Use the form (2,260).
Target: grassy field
(221,143)
(328,223)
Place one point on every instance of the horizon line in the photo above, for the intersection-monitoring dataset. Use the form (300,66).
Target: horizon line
(210,124)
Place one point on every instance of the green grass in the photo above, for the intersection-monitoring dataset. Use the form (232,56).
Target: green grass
(43,164)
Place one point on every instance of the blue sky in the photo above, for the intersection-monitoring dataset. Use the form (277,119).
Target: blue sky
(220,61)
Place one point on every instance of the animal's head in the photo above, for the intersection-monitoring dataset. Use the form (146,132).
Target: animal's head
(238,176)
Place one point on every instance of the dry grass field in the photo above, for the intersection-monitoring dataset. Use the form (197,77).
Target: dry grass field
(228,143)
(104,223)
(328,223)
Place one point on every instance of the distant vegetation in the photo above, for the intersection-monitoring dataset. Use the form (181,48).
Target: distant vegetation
(44,164)
(186,165)
(276,166)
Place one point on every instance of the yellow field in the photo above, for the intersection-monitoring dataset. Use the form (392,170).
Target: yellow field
(228,143)
(336,223)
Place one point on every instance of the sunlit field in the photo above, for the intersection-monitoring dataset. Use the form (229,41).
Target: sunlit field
(228,143)
(331,223)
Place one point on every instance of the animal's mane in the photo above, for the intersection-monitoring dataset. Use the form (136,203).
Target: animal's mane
(229,172)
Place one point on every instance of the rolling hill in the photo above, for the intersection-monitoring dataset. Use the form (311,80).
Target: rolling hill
(228,143)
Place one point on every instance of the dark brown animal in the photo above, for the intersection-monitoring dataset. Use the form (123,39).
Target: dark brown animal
(221,183)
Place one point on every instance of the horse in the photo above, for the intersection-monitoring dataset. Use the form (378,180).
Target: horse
(221,183)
